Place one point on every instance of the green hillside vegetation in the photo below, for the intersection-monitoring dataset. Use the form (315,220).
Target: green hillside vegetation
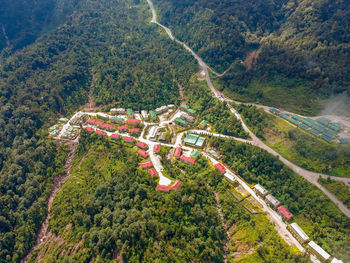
(50,78)
(296,145)
(338,189)
(253,237)
(111,209)
(302,46)
(198,95)
(312,210)
(24,190)
(24,21)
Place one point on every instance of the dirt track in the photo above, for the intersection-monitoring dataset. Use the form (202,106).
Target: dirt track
(56,187)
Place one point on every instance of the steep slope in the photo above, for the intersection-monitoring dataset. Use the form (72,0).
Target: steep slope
(302,46)
(51,77)
(22,22)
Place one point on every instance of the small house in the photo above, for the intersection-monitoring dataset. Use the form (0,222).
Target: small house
(220,168)
(272,201)
(143,153)
(153,172)
(176,185)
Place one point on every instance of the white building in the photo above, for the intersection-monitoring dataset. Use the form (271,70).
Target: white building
(334,260)
(187,117)
(318,251)
(161,110)
(272,201)
(144,114)
(153,132)
(299,233)
(115,111)
(260,190)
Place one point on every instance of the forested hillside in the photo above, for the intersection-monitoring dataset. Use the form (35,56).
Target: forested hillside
(302,47)
(51,77)
(23,21)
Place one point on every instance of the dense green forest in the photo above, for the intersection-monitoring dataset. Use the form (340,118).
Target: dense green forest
(23,21)
(109,210)
(198,95)
(296,145)
(302,47)
(51,77)
(312,210)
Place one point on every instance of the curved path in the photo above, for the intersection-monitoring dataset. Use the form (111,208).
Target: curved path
(310,176)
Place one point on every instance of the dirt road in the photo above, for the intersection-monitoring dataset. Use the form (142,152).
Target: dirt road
(56,187)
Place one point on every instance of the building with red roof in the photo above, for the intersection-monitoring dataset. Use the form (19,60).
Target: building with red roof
(143,153)
(176,185)
(178,152)
(220,167)
(284,212)
(116,137)
(123,128)
(108,127)
(153,172)
(100,132)
(89,129)
(146,165)
(95,122)
(134,130)
(102,125)
(163,188)
(156,148)
(142,145)
(128,139)
(133,122)
(187,160)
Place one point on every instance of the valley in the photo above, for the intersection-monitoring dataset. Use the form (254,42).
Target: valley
(132,136)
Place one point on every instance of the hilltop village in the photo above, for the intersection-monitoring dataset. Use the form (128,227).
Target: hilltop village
(184,136)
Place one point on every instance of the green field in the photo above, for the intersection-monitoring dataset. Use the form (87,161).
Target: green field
(338,189)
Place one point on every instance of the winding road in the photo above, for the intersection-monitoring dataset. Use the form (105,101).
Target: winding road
(308,175)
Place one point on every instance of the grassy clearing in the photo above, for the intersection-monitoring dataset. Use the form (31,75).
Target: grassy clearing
(337,188)
(253,238)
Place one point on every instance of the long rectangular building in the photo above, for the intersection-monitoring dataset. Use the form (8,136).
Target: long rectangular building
(299,233)
(318,251)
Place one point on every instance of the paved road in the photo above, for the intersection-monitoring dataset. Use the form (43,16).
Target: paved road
(310,176)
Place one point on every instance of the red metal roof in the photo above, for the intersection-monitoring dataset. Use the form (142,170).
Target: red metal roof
(133,121)
(220,167)
(128,139)
(146,165)
(156,148)
(142,145)
(99,132)
(152,172)
(176,185)
(163,188)
(116,136)
(101,124)
(187,159)
(178,151)
(89,129)
(285,212)
(134,130)
(122,127)
(95,122)
(143,153)
(107,126)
